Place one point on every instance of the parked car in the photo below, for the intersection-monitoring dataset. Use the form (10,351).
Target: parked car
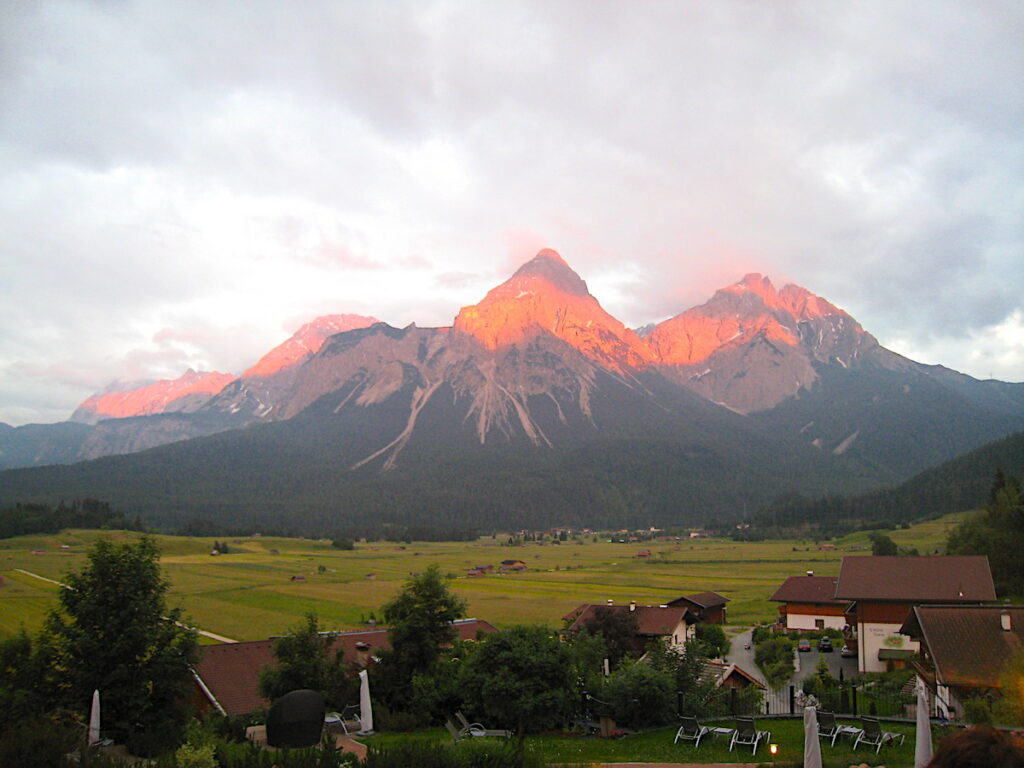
(847,652)
(825,645)
(803,644)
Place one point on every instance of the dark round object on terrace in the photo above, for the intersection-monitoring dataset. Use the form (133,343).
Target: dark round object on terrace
(296,719)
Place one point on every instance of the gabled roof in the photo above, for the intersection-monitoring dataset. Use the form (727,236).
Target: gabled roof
(718,673)
(967,643)
(230,672)
(808,589)
(935,579)
(705,599)
(654,620)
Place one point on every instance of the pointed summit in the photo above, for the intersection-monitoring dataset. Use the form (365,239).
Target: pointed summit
(546,295)
(757,284)
(549,265)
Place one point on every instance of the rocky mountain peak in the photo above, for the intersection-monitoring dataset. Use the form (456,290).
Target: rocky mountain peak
(184,394)
(546,295)
(305,342)
(757,284)
(804,305)
(549,266)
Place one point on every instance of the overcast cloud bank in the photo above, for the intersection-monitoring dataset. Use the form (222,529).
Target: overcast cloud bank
(184,184)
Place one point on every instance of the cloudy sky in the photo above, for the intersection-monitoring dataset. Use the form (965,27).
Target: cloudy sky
(182,184)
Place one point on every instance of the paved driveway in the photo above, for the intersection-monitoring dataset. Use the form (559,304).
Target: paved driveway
(808,661)
(742,657)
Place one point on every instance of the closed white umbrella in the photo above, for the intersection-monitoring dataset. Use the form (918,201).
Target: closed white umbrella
(812,748)
(365,708)
(923,743)
(94,719)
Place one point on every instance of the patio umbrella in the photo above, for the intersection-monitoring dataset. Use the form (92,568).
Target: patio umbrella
(94,719)
(812,748)
(923,743)
(365,708)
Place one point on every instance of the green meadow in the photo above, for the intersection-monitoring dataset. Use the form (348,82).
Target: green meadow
(265,585)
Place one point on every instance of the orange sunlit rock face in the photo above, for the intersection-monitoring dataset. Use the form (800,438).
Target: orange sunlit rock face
(305,342)
(158,397)
(735,316)
(545,294)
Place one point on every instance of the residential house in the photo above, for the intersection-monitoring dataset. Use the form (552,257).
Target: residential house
(809,602)
(673,623)
(708,607)
(227,676)
(964,650)
(725,675)
(512,565)
(883,590)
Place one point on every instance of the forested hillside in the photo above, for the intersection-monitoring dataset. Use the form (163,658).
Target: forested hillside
(959,484)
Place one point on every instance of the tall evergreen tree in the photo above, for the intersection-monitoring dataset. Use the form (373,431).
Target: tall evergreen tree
(999,534)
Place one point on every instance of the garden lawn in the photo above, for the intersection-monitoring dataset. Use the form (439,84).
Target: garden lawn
(656,747)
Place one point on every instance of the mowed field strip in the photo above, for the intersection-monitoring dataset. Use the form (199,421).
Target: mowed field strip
(265,585)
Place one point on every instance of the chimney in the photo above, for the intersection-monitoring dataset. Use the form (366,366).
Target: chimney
(632,605)
(1004,619)
(810,573)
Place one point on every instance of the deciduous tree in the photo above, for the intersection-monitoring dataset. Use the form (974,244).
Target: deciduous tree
(520,679)
(421,617)
(618,628)
(115,632)
(305,660)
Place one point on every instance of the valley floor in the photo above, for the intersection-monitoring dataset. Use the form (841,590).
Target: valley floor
(266,585)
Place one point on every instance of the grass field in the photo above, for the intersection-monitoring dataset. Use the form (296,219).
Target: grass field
(250,594)
(657,746)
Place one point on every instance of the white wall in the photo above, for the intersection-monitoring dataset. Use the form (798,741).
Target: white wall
(873,637)
(806,621)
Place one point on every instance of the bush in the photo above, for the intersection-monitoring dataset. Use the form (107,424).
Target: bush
(195,756)
(152,742)
(252,756)
(387,719)
(640,695)
(37,744)
(714,639)
(760,634)
(775,658)
(977,711)
(229,728)
(465,755)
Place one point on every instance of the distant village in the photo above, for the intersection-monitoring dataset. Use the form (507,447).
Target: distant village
(936,616)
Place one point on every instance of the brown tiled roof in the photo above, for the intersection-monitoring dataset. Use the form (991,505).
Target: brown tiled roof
(231,671)
(967,643)
(936,579)
(808,589)
(650,619)
(707,599)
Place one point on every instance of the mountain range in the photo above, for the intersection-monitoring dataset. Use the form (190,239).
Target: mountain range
(534,406)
